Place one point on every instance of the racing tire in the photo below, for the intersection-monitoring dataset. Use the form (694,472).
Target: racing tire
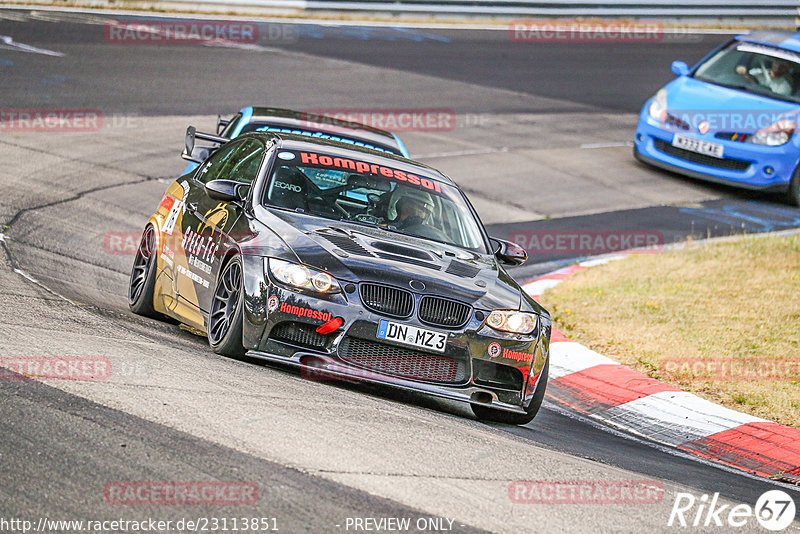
(226,314)
(793,194)
(142,283)
(486,413)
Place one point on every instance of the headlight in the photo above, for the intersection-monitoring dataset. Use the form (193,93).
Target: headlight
(302,277)
(512,321)
(775,134)
(658,106)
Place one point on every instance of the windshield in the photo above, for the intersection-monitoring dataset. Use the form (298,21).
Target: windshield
(342,137)
(368,193)
(755,68)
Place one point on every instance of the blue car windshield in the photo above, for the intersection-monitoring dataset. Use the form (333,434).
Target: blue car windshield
(754,68)
(374,194)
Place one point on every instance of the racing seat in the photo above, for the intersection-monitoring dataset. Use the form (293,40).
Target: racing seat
(288,189)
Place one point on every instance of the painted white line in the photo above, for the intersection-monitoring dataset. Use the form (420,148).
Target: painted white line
(607,145)
(602,260)
(461,153)
(538,287)
(11,44)
(38,283)
(674,417)
(567,357)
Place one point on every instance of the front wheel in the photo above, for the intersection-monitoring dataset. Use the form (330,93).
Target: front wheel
(486,413)
(227,309)
(142,284)
(793,194)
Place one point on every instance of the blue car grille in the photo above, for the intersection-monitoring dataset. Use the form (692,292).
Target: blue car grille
(730,164)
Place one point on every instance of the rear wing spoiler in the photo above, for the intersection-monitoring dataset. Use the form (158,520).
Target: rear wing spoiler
(221,124)
(199,154)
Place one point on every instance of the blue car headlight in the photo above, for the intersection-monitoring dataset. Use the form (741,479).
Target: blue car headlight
(300,277)
(658,106)
(775,134)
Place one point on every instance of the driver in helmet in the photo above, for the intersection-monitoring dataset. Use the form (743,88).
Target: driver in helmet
(413,209)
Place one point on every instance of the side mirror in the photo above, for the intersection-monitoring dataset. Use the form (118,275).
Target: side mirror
(680,68)
(188,146)
(224,190)
(509,253)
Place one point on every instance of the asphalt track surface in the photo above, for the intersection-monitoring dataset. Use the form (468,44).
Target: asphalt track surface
(319,452)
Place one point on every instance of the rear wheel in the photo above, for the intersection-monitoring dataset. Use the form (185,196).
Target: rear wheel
(143,276)
(793,194)
(227,309)
(486,413)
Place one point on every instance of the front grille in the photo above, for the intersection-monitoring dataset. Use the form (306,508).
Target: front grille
(732,136)
(401,362)
(299,334)
(387,300)
(443,312)
(701,159)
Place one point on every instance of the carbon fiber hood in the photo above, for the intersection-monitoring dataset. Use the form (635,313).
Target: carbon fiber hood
(358,253)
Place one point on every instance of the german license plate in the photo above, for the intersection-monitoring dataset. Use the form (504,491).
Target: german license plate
(697,145)
(411,335)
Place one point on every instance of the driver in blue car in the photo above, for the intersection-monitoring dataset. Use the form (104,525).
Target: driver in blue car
(776,78)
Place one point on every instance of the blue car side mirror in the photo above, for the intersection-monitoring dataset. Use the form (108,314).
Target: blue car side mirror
(680,68)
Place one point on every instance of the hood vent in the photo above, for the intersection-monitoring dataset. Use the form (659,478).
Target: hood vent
(463,270)
(413,261)
(400,250)
(345,243)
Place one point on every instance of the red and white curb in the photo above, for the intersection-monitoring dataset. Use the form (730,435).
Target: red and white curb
(607,391)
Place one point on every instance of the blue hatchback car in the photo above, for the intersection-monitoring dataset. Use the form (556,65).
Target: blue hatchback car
(732,117)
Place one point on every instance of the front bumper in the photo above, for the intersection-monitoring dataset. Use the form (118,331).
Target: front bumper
(281,327)
(744,165)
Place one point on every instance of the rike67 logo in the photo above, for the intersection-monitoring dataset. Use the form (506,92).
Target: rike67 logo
(774,510)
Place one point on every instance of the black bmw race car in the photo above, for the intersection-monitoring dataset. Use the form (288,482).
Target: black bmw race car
(349,262)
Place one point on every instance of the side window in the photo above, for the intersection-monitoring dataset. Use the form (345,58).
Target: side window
(236,161)
(246,168)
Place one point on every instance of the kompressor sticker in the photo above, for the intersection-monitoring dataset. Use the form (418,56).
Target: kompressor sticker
(305,312)
(362,167)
